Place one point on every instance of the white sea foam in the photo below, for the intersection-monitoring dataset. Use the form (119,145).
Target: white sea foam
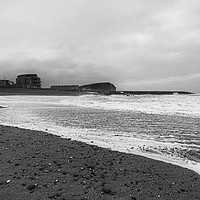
(184,105)
(22,112)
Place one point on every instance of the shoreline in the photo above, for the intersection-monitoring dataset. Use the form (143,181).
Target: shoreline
(114,145)
(38,165)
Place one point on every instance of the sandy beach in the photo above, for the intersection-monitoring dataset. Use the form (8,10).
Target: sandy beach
(38,166)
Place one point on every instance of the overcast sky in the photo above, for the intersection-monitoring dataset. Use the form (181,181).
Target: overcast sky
(135,44)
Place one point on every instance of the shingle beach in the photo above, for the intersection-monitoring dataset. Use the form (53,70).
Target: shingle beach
(39,166)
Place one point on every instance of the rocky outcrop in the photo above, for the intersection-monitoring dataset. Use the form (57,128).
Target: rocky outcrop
(104,87)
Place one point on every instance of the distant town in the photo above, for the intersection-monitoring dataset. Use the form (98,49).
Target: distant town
(32,84)
(32,81)
(23,81)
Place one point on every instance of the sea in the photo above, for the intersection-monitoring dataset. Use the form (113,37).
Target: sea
(161,127)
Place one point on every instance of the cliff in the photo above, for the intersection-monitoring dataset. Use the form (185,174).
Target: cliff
(104,87)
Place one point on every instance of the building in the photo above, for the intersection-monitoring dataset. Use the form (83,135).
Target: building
(65,87)
(28,81)
(6,83)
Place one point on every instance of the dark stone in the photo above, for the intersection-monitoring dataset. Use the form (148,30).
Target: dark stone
(32,187)
(107,191)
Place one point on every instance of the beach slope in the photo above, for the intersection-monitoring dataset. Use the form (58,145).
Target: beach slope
(39,166)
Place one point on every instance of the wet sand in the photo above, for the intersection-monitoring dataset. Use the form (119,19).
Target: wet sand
(39,166)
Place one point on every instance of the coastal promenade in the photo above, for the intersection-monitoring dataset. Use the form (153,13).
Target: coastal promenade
(47,91)
(25,91)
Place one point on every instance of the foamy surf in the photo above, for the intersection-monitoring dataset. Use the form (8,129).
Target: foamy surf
(184,105)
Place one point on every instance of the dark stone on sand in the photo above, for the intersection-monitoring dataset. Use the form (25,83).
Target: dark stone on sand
(32,187)
(107,191)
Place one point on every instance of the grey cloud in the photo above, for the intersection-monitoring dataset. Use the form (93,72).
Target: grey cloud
(127,42)
(55,71)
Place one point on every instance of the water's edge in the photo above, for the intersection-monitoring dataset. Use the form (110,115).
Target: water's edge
(113,146)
